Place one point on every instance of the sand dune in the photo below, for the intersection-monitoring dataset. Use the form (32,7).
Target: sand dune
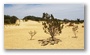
(17,37)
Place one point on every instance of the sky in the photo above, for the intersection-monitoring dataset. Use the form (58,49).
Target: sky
(59,11)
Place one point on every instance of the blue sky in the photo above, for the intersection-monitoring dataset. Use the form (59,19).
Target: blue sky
(60,11)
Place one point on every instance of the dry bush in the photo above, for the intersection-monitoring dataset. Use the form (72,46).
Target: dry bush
(32,33)
(70,24)
(74,29)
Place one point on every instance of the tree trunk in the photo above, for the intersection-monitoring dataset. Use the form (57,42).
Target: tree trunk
(52,38)
(31,37)
(75,34)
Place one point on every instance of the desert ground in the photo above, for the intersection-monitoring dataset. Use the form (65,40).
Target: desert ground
(17,37)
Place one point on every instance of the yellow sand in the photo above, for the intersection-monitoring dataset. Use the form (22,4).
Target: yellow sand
(17,37)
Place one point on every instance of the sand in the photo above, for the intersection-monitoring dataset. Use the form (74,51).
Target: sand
(17,37)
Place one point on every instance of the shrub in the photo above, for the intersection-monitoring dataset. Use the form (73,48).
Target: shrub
(9,19)
(74,29)
(51,26)
(32,33)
